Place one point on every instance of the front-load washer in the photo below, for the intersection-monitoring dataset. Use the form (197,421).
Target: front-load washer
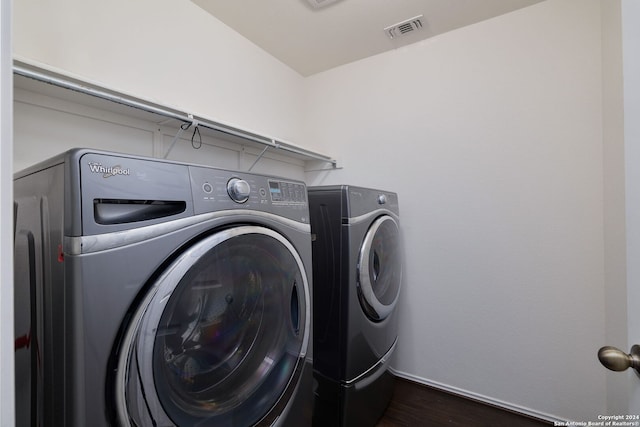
(357,274)
(157,293)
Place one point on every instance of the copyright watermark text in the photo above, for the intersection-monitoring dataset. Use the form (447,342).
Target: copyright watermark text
(605,421)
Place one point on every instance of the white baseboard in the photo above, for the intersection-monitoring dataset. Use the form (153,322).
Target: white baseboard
(478,397)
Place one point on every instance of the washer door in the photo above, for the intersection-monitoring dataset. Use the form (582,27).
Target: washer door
(220,338)
(380,269)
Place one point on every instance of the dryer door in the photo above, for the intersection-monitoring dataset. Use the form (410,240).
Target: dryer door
(221,336)
(380,268)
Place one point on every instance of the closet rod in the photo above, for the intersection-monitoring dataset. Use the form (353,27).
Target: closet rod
(145,106)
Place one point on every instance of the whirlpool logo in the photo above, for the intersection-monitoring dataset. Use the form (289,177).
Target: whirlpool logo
(108,171)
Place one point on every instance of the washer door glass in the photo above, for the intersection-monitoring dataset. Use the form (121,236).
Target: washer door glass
(380,268)
(221,337)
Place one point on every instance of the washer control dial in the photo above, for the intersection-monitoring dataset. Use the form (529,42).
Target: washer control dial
(382,199)
(238,189)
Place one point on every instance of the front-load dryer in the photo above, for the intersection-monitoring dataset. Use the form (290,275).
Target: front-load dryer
(156,293)
(357,273)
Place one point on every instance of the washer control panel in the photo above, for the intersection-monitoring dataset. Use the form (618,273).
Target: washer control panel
(287,193)
(217,189)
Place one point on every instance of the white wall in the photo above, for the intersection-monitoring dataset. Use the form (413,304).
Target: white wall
(492,137)
(167,51)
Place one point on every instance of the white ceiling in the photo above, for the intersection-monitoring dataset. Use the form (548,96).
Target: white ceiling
(313,40)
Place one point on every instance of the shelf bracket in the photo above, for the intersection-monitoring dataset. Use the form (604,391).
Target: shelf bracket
(264,150)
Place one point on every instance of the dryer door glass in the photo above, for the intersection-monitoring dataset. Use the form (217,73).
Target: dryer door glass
(222,336)
(380,268)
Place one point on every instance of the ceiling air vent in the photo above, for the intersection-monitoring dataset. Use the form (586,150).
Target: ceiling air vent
(404,27)
(317,4)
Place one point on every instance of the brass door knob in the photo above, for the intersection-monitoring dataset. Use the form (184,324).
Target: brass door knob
(617,360)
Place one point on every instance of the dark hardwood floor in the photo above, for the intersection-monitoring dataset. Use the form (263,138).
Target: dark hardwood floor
(419,405)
